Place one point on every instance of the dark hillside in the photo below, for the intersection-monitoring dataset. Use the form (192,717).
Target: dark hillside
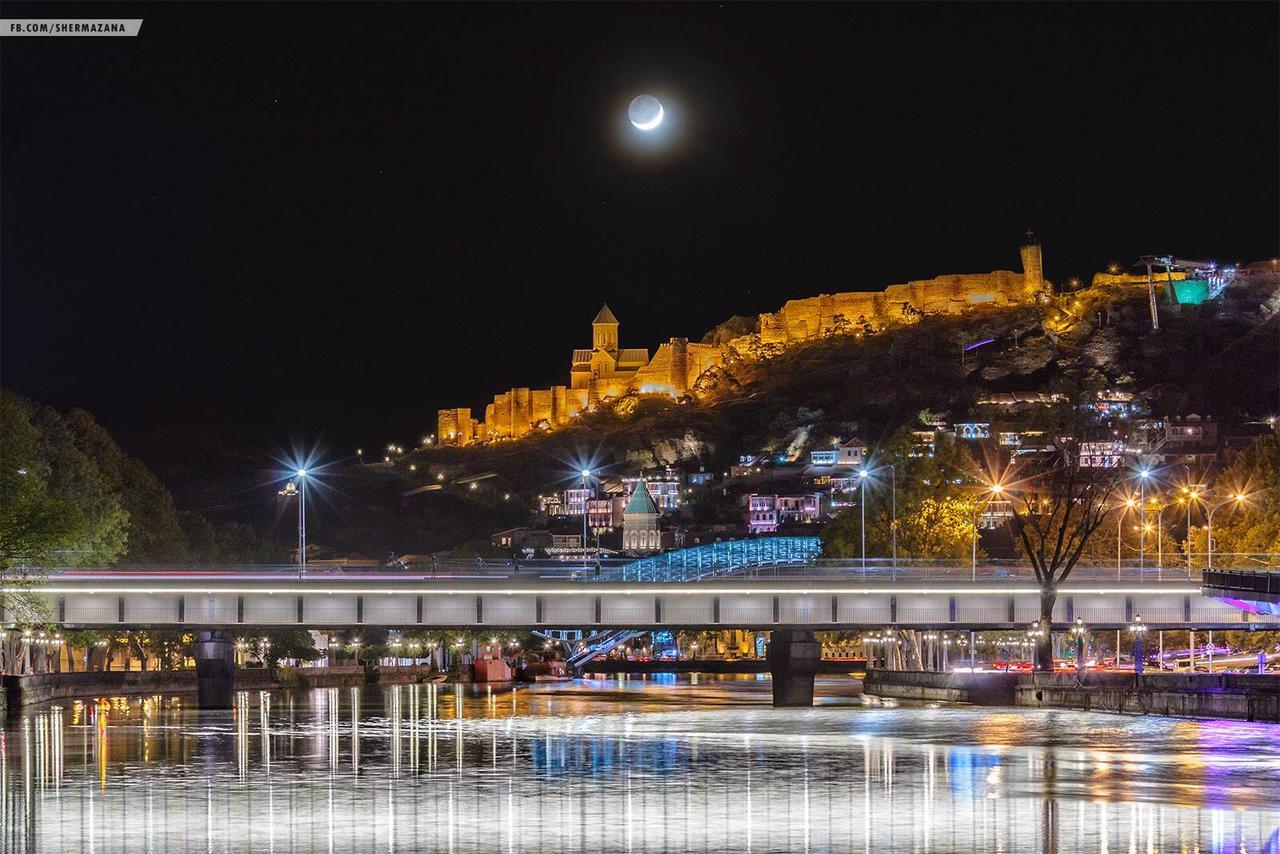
(1219,359)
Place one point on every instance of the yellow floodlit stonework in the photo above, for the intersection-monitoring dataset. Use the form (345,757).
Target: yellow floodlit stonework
(606,370)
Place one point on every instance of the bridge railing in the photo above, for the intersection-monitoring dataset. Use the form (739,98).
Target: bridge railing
(773,557)
(716,559)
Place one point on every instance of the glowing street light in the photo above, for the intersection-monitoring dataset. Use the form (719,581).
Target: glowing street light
(1079,631)
(1238,498)
(1129,504)
(586,476)
(298,488)
(996,490)
(1033,640)
(1190,497)
(862,509)
(1137,628)
(1143,476)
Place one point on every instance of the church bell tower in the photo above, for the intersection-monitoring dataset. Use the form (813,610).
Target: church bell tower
(604,331)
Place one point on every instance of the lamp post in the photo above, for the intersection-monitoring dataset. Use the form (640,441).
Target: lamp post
(1128,505)
(1078,631)
(298,488)
(1033,638)
(302,521)
(862,509)
(996,490)
(893,518)
(1238,498)
(586,474)
(973,564)
(1143,474)
(1192,496)
(1137,629)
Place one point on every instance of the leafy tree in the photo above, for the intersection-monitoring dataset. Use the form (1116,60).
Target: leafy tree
(1254,525)
(74,476)
(171,647)
(155,535)
(275,645)
(936,502)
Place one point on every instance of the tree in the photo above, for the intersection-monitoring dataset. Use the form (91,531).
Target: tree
(155,535)
(1253,527)
(1056,512)
(275,645)
(936,504)
(73,475)
(35,525)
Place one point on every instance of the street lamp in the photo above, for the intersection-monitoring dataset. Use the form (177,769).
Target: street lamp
(1143,475)
(1033,639)
(1192,496)
(862,509)
(298,488)
(1129,504)
(893,519)
(302,521)
(996,490)
(1078,631)
(586,474)
(1137,629)
(1238,498)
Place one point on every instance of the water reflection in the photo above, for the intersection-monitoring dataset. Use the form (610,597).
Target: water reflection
(622,765)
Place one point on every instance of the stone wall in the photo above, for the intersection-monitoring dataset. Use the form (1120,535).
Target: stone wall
(1201,695)
(840,313)
(984,689)
(1159,276)
(676,366)
(1237,696)
(22,691)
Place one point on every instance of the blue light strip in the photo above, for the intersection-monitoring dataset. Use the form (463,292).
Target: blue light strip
(701,562)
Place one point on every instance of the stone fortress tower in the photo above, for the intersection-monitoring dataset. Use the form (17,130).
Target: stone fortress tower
(1032,266)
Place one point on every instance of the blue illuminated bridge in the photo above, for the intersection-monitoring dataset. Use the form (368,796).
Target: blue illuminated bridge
(717,559)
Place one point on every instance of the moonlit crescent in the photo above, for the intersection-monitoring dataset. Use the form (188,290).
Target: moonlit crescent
(652,123)
(645,112)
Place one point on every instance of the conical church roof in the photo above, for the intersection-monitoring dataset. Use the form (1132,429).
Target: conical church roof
(641,502)
(605,316)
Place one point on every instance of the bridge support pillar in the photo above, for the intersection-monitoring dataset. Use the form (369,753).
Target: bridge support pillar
(215,670)
(793,660)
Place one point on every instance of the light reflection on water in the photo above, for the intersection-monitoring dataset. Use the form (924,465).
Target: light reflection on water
(617,765)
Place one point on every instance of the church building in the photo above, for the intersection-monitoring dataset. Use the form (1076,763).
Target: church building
(640,522)
(605,370)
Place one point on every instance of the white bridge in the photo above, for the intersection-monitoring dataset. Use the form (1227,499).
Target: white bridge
(793,601)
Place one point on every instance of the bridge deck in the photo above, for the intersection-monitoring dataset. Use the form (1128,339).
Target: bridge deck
(225,600)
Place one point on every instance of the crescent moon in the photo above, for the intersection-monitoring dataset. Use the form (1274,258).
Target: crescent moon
(652,123)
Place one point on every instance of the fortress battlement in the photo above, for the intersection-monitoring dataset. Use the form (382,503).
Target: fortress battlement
(606,370)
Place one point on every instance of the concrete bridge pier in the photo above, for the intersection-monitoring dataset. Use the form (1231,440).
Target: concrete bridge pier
(215,670)
(793,660)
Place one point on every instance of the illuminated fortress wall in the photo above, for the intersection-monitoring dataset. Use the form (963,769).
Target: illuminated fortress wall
(607,370)
(833,313)
(603,371)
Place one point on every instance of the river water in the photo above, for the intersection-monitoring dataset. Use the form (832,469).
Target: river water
(626,765)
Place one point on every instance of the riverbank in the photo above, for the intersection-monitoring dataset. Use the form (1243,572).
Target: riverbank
(22,691)
(717,666)
(1245,697)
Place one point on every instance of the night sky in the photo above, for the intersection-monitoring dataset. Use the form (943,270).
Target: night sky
(320,222)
